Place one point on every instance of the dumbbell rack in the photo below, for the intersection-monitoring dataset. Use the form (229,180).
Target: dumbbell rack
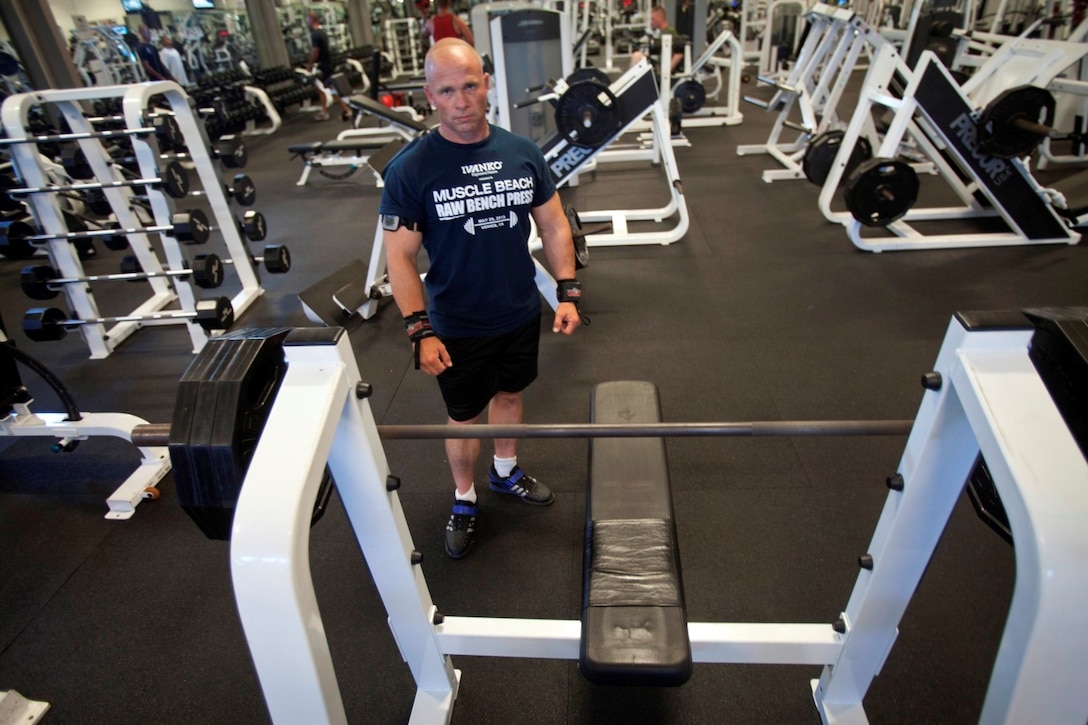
(47,212)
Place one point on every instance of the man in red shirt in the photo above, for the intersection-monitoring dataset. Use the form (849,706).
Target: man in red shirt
(446,24)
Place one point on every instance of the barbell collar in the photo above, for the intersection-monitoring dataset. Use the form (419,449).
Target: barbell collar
(158,434)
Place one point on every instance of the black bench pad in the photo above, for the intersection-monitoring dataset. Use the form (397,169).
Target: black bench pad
(634,624)
(345,144)
(366,104)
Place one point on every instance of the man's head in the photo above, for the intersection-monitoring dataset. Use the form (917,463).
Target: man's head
(145,33)
(443,4)
(166,41)
(658,19)
(313,19)
(457,88)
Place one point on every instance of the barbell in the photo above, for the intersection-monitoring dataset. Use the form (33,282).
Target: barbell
(43,282)
(191,227)
(174,181)
(231,150)
(45,324)
(1017,121)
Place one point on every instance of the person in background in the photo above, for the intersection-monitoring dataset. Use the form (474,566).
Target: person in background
(465,192)
(148,55)
(659,22)
(446,24)
(321,67)
(171,60)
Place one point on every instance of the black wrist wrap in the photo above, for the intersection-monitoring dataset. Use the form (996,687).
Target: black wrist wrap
(569,290)
(418,326)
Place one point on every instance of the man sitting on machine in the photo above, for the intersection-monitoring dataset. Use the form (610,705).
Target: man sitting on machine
(660,24)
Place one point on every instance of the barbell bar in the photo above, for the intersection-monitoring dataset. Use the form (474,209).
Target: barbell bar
(190,226)
(44,324)
(79,136)
(158,434)
(230,149)
(43,282)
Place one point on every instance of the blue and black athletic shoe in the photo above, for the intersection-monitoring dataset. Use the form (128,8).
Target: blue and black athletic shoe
(522,485)
(460,528)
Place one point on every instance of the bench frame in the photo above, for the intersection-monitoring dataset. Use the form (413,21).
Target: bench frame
(991,400)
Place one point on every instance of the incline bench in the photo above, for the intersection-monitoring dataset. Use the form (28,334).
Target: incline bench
(354,147)
(634,623)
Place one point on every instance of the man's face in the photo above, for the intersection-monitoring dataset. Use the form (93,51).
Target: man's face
(658,20)
(457,88)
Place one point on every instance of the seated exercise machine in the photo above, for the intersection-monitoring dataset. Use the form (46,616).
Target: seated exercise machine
(690,85)
(352,148)
(73,426)
(1000,388)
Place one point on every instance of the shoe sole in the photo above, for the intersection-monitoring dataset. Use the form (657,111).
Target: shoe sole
(462,555)
(499,489)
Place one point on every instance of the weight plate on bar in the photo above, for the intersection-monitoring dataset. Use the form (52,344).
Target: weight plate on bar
(998,134)
(880,191)
(587,114)
(821,152)
(589,73)
(581,251)
(692,95)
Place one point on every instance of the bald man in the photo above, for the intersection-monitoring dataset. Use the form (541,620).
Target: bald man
(465,192)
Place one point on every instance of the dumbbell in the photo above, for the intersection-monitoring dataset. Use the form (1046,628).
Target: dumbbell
(44,324)
(42,282)
(231,150)
(190,227)
(276,259)
(244,190)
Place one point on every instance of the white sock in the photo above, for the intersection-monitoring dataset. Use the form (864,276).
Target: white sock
(470,496)
(503,466)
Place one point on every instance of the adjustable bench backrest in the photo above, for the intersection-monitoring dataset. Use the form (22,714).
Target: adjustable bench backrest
(366,104)
(634,624)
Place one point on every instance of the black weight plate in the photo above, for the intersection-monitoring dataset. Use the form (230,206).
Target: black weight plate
(880,191)
(244,190)
(9,64)
(589,73)
(581,251)
(587,114)
(13,240)
(175,179)
(254,226)
(691,94)
(277,259)
(208,271)
(821,152)
(998,134)
(35,282)
(43,324)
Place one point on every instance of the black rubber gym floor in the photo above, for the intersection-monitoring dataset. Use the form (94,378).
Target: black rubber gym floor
(764,311)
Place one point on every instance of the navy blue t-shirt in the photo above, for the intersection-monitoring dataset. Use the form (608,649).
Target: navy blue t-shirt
(473,201)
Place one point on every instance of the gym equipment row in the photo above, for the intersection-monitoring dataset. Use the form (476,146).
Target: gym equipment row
(976,136)
(166,149)
(998,392)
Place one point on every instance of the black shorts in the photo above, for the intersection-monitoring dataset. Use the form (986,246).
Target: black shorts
(484,366)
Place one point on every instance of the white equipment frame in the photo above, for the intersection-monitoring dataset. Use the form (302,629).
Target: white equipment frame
(990,401)
(813,87)
(728,114)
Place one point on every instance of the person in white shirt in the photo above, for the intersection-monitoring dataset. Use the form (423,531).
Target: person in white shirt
(171,58)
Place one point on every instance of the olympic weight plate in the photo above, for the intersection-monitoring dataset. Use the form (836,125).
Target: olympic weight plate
(587,114)
(998,134)
(821,152)
(692,95)
(880,191)
(589,73)
(581,251)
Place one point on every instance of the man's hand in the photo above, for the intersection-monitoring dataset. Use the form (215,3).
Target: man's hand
(433,357)
(567,319)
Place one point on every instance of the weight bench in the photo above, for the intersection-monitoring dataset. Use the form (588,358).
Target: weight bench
(634,623)
(354,147)
(351,152)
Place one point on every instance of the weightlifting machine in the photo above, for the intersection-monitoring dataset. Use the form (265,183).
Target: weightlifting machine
(979,155)
(73,426)
(813,88)
(1007,386)
(162,176)
(691,86)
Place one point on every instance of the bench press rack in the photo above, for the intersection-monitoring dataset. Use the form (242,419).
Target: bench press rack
(984,396)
